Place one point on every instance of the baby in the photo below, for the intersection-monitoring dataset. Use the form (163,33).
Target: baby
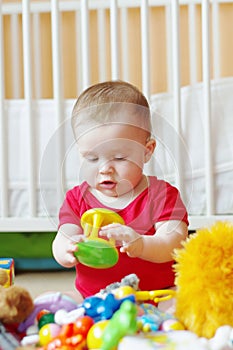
(112,128)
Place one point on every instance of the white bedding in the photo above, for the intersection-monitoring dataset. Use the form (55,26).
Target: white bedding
(192,138)
(163,163)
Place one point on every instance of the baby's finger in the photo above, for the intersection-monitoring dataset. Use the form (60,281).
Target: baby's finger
(109,232)
(111,226)
(114,234)
(71,259)
(124,249)
(72,247)
(77,238)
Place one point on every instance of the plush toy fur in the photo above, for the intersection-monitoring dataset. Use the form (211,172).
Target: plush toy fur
(16,303)
(204,280)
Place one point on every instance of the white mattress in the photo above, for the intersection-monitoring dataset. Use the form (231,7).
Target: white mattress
(163,164)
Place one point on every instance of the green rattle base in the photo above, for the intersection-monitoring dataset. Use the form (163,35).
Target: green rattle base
(96,253)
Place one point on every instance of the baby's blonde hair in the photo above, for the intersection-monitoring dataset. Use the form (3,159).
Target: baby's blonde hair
(101,102)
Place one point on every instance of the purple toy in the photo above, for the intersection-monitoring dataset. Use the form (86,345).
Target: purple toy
(51,302)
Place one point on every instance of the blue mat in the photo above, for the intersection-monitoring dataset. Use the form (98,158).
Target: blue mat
(37,264)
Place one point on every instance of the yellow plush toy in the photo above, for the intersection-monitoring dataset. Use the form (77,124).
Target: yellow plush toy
(204,280)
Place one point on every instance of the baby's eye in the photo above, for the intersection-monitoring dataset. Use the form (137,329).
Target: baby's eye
(119,158)
(92,159)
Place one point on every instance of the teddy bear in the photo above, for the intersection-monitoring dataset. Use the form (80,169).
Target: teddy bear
(16,303)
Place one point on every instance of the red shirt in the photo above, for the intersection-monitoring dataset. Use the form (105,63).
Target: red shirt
(159,202)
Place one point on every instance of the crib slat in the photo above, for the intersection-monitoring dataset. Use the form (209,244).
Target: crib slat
(168,46)
(114,39)
(207,108)
(192,43)
(58,99)
(3,130)
(101,15)
(145,52)
(37,55)
(216,41)
(176,90)
(15,54)
(85,44)
(32,161)
(78,50)
(124,44)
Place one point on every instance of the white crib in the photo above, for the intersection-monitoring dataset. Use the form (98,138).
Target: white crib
(192,106)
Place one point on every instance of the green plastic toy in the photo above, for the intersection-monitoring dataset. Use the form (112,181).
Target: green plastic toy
(97,252)
(123,322)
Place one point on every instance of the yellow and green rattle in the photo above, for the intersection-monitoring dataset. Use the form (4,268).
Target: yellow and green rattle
(94,251)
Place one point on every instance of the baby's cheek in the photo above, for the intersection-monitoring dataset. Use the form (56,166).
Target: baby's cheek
(88,175)
(87,172)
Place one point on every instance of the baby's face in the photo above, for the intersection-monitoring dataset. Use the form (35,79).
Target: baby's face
(113,157)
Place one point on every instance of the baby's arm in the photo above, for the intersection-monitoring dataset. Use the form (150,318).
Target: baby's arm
(157,248)
(64,244)
(160,247)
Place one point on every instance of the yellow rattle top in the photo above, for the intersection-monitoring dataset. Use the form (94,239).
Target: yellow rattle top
(93,219)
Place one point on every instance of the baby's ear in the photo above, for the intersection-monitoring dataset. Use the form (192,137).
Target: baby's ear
(150,147)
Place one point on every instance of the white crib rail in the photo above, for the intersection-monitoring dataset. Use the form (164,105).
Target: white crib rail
(58,97)
(84,14)
(176,87)
(27,63)
(118,24)
(207,108)
(145,48)
(3,129)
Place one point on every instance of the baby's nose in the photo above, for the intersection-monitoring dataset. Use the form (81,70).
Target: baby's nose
(106,167)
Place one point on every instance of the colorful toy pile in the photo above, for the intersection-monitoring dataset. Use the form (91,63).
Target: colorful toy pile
(100,322)
(119,320)
(109,323)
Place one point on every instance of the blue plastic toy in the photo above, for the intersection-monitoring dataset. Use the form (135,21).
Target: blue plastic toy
(103,309)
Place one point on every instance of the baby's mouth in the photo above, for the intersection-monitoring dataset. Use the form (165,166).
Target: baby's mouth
(108,184)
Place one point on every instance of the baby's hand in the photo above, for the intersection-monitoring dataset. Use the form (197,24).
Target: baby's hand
(69,255)
(64,248)
(73,247)
(131,241)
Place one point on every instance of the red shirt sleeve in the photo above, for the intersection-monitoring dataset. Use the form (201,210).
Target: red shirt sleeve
(67,215)
(174,208)
(74,206)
